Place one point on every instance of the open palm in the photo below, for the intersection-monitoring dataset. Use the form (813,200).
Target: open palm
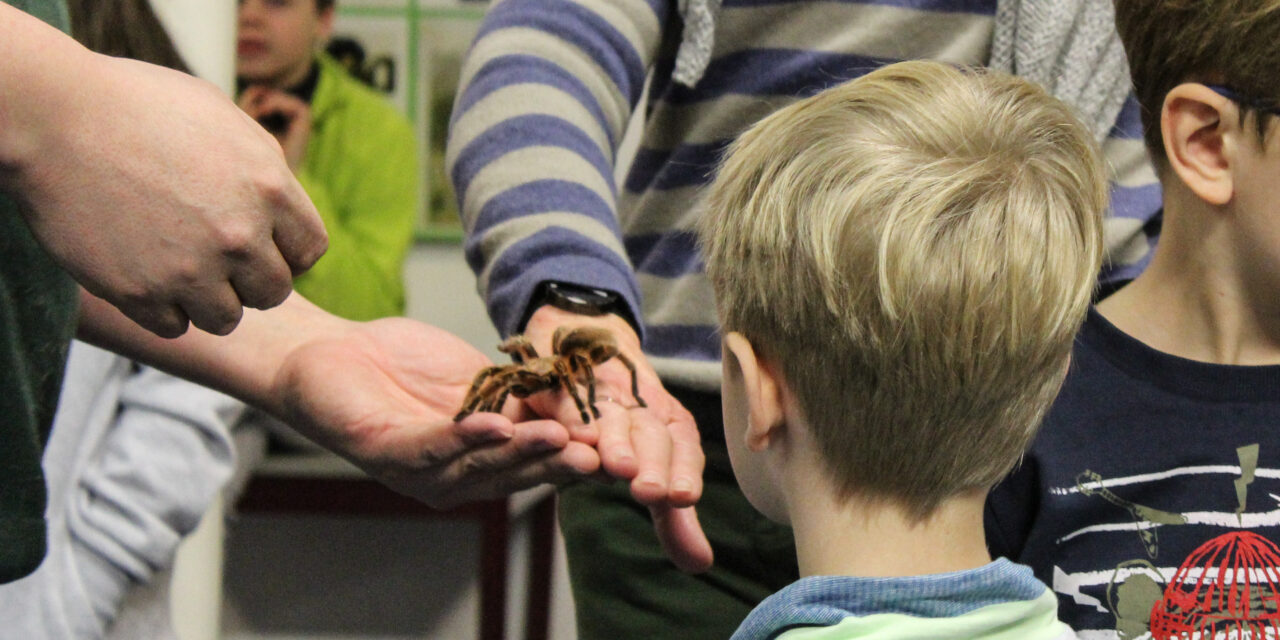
(383,395)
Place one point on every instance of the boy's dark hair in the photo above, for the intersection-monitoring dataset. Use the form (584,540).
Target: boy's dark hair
(321,5)
(1225,42)
(124,29)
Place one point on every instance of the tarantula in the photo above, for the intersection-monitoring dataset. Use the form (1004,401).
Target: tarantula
(576,352)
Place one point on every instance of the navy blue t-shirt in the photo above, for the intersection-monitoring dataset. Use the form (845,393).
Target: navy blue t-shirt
(1150,499)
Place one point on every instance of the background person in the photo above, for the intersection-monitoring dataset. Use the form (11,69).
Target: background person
(1148,498)
(353,152)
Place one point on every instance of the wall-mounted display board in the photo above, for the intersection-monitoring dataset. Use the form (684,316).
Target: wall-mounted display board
(412,51)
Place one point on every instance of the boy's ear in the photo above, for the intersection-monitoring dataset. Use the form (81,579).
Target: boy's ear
(762,386)
(1201,132)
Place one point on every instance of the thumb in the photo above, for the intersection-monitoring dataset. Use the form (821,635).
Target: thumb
(682,538)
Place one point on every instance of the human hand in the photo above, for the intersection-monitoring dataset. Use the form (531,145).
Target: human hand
(656,448)
(160,196)
(382,395)
(284,116)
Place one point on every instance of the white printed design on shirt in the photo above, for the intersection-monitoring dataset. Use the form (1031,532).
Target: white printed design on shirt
(1228,587)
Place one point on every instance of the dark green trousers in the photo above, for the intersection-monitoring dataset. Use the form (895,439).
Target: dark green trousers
(625,587)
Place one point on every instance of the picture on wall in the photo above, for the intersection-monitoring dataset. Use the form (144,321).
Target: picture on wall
(442,44)
(412,51)
(374,49)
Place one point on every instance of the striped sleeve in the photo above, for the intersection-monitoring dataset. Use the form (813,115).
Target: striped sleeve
(1133,226)
(545,95)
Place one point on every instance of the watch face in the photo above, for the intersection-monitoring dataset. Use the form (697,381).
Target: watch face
(581,299)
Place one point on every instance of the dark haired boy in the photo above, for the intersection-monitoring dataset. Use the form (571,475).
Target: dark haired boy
(1148,501)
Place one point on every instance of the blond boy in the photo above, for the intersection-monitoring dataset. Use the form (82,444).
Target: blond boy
(1148,500)
(900,264)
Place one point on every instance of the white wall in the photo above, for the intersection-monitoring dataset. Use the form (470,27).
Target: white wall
(442,292)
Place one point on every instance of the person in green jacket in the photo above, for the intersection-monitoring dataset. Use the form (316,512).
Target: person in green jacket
(353,152)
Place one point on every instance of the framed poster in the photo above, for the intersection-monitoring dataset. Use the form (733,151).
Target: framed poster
(442,44)
(375,49)
(412,51)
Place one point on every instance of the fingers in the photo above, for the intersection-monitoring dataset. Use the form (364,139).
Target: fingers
(261,270)
(271,100)
(561,408)
(251,98)
(299,234)
(652,444)
(259,101)
(687,460)
(439,446)
(264,280)
(659,451)
(297,231)
(259,278)
(682,538)
(614,443)
(214,308)
(482,482)
(164,320)
(486,456)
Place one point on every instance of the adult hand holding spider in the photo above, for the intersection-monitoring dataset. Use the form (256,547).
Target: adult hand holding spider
(381,394)
(402,381)
(655,447)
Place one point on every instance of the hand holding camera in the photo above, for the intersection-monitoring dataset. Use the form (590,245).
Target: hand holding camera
(284,116)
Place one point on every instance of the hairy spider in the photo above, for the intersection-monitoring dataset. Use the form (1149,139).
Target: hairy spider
(576,351)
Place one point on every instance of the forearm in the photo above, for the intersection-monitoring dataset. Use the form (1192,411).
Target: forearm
(36,63)
(243,364)
(533,144)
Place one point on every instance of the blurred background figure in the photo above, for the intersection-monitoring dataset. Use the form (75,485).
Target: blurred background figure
(353,152)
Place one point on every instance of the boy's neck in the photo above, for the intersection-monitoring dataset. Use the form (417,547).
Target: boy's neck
(1201,298)
(867,539)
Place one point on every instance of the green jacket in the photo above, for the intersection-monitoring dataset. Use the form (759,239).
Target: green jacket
(361,171)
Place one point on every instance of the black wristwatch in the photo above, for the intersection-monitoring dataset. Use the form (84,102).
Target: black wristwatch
(587,301)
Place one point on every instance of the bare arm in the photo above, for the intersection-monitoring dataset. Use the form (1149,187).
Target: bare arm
(149,186)
(243,364)
(381,393)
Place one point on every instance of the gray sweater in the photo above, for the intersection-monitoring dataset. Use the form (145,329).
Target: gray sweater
(135,458)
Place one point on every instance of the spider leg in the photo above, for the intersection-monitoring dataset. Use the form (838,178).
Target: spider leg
(496,405)
(520,348)
(583,365)
(475,395)
(565,378)
(635,388)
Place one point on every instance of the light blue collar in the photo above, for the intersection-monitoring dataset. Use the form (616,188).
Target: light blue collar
(826,600)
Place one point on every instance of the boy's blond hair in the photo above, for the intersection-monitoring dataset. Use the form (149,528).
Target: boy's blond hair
(1226,42)
(916,250)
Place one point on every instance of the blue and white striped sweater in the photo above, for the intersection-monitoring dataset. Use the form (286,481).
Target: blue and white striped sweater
(550,85)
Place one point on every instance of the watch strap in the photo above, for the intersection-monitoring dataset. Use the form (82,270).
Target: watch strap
(580,299)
